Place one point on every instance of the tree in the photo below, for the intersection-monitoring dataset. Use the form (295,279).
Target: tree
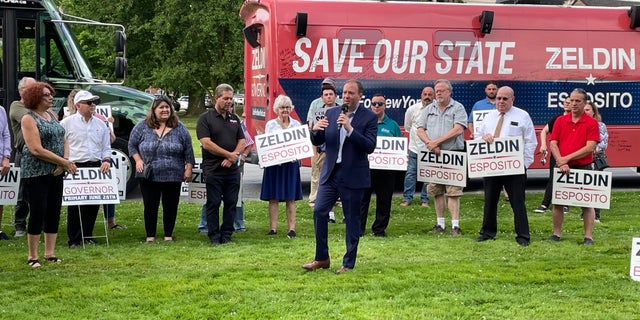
(170,44)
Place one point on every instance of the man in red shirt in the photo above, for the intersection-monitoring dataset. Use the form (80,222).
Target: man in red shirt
(572,141)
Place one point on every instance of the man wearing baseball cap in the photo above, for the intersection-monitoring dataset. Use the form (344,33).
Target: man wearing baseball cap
(89,146)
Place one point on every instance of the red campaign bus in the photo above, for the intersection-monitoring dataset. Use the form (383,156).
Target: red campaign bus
(397,48)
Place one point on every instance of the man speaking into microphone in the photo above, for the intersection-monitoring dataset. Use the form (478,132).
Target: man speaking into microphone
(350,134)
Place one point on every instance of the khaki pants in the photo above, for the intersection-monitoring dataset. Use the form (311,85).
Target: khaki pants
(316,166)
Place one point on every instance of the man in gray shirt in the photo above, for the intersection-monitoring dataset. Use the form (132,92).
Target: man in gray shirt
(16,111)
(441,127)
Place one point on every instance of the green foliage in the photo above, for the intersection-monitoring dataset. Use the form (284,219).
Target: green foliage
(171,44)
(411,274)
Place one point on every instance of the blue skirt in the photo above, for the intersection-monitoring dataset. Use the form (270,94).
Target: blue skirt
(281,182)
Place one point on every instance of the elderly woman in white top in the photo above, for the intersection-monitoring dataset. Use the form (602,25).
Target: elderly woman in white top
(282,182)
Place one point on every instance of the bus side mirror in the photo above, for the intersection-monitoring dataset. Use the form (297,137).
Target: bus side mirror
(251,34)
(120,41)
(634,14)
(121,67)
(486,22)
(301,24)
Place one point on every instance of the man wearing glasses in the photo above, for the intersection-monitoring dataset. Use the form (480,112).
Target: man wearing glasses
(381,180)
(89,141)
(507,121)
(441,127)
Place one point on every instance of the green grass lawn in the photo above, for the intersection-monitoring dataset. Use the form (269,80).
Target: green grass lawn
(411,274)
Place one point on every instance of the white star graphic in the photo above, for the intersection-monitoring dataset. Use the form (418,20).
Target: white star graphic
(591,80)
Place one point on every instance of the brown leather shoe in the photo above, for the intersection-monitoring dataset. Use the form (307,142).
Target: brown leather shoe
(315,265)
(342,270)
(404,203)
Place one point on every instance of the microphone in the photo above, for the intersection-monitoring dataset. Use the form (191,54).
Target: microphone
(345,109)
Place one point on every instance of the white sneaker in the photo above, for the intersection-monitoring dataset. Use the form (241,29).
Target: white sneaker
(332,217)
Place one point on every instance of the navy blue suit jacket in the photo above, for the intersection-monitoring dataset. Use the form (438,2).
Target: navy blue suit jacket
(356,148)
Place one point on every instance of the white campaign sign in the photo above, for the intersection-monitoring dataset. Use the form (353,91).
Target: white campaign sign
(447,167)
(197,188)
(90,186)
(284,146)
(319,115)
(121,178)
(582,188)
(478,117)
(634,270)
(103,112)
(184,188)
(503,157)
(9,185)
(390,154)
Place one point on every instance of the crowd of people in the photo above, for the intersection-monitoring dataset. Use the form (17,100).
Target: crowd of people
(343,132)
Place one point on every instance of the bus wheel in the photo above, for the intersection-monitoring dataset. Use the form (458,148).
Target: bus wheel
(120,158)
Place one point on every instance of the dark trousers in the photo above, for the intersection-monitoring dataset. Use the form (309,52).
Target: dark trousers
(515,187)
(82,219)
(152,193)
(44,195)
(546,199)
(21,209)
(328,194)
(221,189)
(80,222)
(382,184)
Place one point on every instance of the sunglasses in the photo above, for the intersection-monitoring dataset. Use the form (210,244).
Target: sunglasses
(90,102)
(377,104)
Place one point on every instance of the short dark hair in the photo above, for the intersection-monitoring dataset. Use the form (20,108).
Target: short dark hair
(378,95)
(328,87)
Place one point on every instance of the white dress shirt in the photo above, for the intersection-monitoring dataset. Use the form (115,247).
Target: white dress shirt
(88,140)
(516,123)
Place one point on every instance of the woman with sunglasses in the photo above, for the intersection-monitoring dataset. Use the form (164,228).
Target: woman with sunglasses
(44,160)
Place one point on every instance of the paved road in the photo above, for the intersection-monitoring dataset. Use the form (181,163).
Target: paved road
(623,178)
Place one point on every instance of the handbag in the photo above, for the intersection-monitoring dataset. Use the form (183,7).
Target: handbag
(147,170)
(600,161)
(146,173)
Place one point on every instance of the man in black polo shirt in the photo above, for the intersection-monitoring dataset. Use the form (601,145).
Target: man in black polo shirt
(222,142)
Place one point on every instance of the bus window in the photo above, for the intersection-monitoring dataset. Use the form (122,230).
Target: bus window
(1,59)
(56,64)
(26,48)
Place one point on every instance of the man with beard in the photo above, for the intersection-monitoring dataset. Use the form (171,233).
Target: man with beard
(415,144)
(488,103)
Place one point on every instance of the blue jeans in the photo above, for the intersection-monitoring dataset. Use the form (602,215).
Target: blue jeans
(410,179)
